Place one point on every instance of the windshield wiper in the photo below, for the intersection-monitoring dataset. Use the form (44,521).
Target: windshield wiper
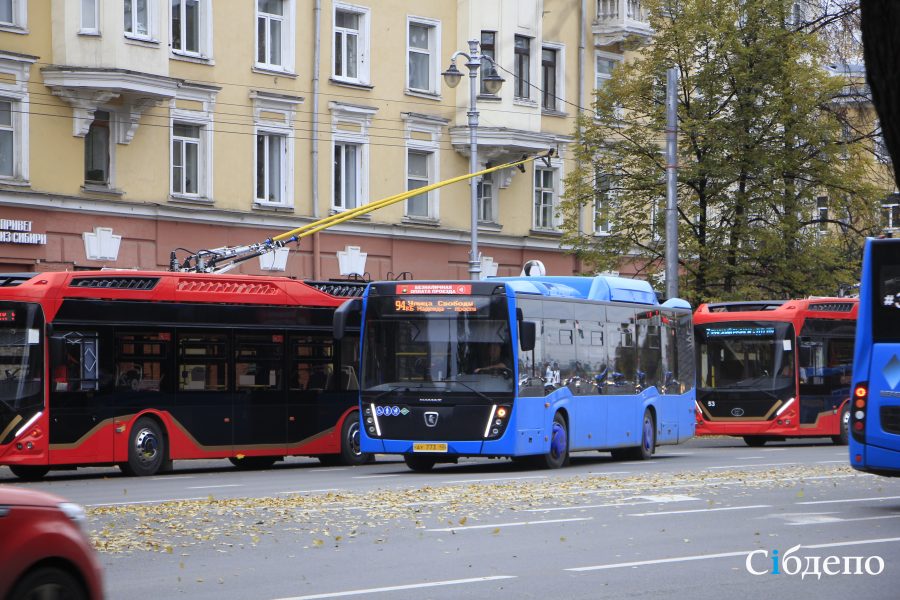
(470,388)
(390,391)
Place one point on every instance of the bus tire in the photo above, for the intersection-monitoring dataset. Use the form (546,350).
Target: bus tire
(146,448)
(558,456)
(253,463)
(755,441)
(648,441)
(419,463)
(350,453)
(48,582)
(843,438)
(29,472)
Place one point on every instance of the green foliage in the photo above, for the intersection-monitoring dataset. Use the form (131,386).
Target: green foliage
(762,136)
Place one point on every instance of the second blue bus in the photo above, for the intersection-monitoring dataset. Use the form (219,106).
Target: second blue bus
(875,414)
(530,367)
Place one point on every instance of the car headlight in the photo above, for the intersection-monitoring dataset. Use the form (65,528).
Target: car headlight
(75,512)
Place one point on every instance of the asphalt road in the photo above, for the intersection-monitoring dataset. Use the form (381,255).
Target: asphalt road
(681,525)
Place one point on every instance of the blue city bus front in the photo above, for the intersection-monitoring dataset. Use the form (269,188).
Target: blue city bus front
(426,386)
(875,413)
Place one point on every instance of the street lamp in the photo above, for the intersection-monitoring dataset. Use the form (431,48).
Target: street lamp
(492,82)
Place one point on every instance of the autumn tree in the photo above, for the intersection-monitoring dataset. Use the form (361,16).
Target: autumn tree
(775,190)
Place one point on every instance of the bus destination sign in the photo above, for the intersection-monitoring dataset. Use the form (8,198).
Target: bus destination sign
(443,289)
(425,305)
(740,331)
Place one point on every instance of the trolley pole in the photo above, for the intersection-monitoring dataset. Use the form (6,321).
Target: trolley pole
(672,183)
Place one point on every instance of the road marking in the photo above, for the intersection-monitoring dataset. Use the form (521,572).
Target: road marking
(830,462)
(676,559)
(375,476)
(311,491)
(850,500)
(496,479)
(210,487)
(397,588)
(329,469)
(750,457)
(646,500)
(611,472)
(700,510)
(145,502)
(511,524)
(842,520)
(171,477)
(760,465)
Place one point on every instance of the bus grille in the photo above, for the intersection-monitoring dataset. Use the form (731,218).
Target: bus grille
(341,289)
(211,286)
(890,419)
(116,283)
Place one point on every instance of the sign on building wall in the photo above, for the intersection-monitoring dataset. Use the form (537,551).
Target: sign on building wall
(13,231)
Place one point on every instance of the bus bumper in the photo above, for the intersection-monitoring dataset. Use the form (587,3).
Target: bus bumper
(872,459)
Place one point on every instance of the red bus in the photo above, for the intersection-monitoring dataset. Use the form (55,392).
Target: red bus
(774,370)
(140,368)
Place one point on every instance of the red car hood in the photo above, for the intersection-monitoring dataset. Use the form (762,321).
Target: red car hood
(15,496)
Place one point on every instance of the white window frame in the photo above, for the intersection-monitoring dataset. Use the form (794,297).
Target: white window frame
(89,8)
(556,168)
(205,96)
(418,128)
(490,185)
(560,91)
(888,206)
(434,54)
(288,33)
(19,23)
(609,198)
(204,33)
(184,142)
(359,199)
(821,213)
(15,71)
(350,124)
(362,43)
(528,85)
(599,54)
(273,115)
(152,26)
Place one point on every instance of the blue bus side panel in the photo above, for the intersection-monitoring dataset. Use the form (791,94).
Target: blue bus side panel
(884,375)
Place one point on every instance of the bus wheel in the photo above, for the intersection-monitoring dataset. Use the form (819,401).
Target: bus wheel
(648,442)
(251,463)
(559,445)
(350,452)
(419,463)
(843,438)
(29,472)
(755,441)
(146,448)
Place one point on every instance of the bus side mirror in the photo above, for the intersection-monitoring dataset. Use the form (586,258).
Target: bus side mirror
(527,335)
(343,314)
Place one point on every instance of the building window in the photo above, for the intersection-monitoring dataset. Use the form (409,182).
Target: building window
(185,159)
(187,18)
(523,67)
(347,176)
(822,213)
(351,43)
(90,18)
(797,16)
(604,66)
(549,90)
(97,150)
(418,174)
(423,51)
(603,196)
(270,25)
(13,13)
(489,49)
(270,168)
(137,18)
(544,192)
(486,213)
(890,212)
(7,140)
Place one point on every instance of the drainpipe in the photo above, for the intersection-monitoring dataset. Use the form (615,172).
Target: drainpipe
(314,155)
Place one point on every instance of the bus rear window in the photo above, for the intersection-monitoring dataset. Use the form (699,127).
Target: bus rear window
(886,309)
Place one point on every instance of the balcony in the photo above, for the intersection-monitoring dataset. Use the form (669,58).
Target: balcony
(618,20)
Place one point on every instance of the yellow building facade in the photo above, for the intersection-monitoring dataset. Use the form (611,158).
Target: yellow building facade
(131,129)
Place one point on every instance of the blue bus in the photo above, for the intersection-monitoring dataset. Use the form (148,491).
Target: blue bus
(875,417)
(532,367)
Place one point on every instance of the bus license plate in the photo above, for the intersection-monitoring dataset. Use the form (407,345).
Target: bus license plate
(420,447)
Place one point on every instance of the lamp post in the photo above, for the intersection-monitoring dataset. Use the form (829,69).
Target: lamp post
(492,83)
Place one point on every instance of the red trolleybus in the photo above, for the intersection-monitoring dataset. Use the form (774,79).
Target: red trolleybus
(138,369)
(773,370)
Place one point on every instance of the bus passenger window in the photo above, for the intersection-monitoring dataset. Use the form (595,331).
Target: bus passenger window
(203,362)
(139,361)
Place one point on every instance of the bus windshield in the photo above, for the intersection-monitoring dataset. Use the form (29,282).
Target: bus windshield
(886,303)
(742,356)
(21,362)
(465,347)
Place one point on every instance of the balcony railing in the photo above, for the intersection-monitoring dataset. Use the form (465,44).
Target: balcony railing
(620,19)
